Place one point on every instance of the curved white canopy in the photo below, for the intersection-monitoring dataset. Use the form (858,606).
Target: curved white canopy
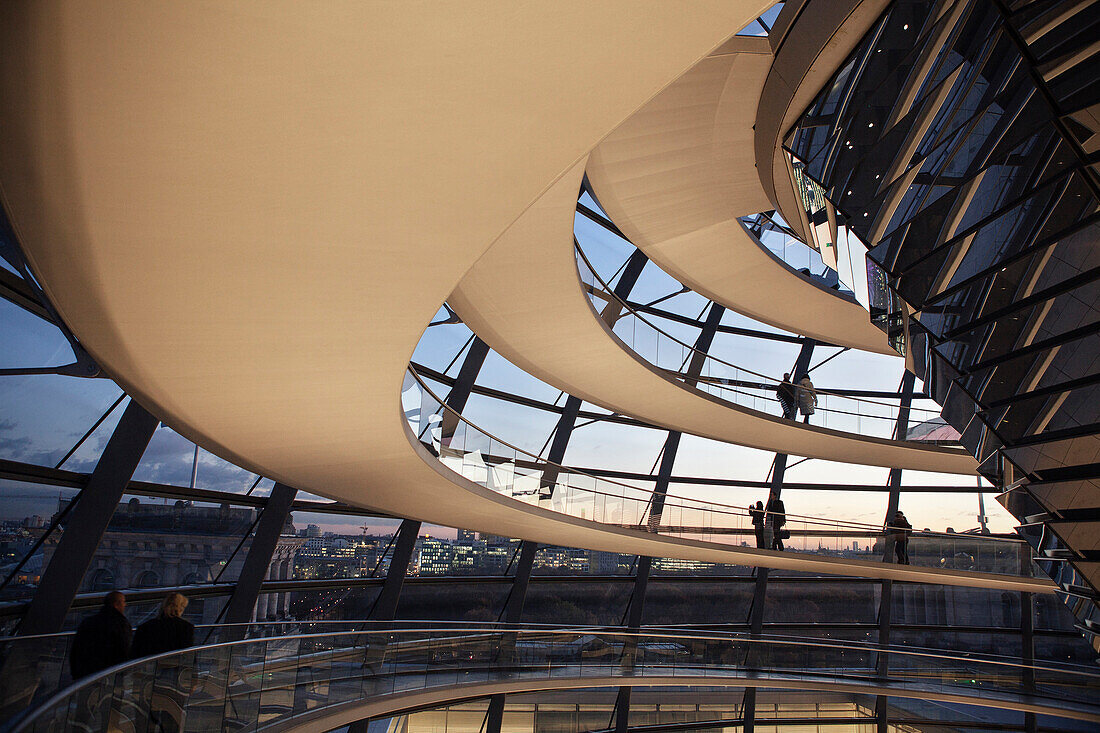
(248,213)
(525,299)
(677,174)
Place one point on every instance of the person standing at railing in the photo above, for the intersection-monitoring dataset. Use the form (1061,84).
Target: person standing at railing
(167,685)
(788,397)
(757,514)
(777,517)
(900,529)
(102,640)
(807,398)
(167,632)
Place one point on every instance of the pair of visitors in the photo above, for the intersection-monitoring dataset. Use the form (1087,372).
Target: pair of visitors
(106,639)
(793,399)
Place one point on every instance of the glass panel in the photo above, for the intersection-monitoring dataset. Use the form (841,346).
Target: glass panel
(151,543)
(26,512)
(45,415)
(171,459)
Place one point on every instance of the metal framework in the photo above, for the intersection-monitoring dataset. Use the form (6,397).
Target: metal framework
(57,594)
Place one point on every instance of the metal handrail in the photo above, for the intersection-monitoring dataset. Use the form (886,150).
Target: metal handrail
(729,509)
(29,717)
(610,293)
(665,631)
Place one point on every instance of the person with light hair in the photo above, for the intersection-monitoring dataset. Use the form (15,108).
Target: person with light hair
(167,632)
(807,398)
(166,683)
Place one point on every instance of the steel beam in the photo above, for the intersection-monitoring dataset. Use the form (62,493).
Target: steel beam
(614,308)
(463,384)
(636,607)
(88,521)
(517,594)
(703,344)
(385,606)
(760,591)
(562,432)
(622,710)
(886,596)
(664,475)
(273,518)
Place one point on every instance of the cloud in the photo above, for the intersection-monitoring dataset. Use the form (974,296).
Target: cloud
(169,460)
(22,447)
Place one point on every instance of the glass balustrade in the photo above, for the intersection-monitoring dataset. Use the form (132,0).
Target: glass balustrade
(34,667)
(738,385)
(497,465)
(286,680)
(794,253)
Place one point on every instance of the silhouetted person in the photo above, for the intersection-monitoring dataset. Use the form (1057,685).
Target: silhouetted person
(102,640)
(807,398)
(788,397)
(167,683)
(777,517)
(167,632)
(900,529)
(757,514)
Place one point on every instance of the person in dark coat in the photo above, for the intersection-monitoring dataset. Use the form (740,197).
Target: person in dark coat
(167,632)
(168,682)
(788,396)
(102,640)
(777,517)
(900,529)
(757,514)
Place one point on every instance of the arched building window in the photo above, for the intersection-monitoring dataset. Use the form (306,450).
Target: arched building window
(193,579)
(147,579)
(102,579)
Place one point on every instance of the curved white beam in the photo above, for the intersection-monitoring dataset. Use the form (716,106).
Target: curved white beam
(677,174)
(248,212)
(525,299)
